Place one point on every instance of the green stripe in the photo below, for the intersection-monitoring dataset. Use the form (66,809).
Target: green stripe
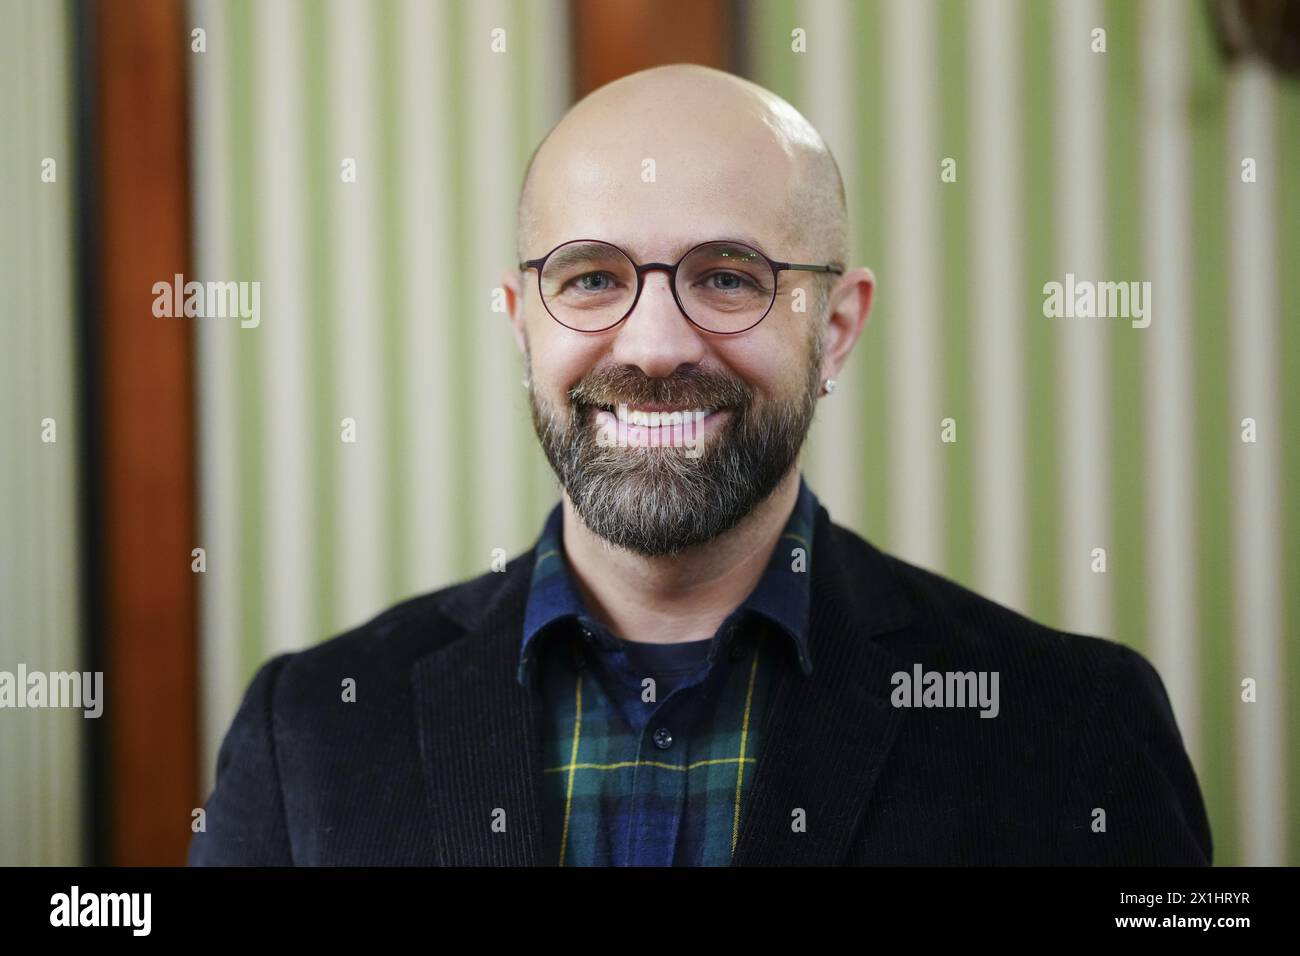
(1217,439)
(394,296)
(1287,163)
(774,59)
(462,297)
(528,128)
(24,152)
(322,174)
(956,304)
(526,134)
(868,211)
(1041,260)
(1127,345)
(248,266)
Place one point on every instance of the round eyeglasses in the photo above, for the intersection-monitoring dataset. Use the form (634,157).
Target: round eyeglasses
(721,286)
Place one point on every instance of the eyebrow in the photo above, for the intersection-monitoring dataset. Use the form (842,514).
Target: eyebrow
(578,252)
(571,255)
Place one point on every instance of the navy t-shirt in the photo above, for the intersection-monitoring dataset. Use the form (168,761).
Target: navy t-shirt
(668,664)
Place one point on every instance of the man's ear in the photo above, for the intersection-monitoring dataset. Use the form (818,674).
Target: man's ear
(512,285)
(849,308)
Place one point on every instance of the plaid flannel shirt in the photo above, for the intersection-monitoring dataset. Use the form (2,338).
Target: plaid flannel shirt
(631,781)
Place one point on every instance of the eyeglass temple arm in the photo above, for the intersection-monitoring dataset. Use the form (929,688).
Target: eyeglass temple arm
(805,267)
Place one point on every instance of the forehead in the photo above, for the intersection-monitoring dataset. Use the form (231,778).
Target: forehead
(658,198)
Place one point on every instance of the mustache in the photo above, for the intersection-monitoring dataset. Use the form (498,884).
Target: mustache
(689,387)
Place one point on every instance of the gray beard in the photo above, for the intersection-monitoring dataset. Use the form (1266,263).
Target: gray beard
(658,501)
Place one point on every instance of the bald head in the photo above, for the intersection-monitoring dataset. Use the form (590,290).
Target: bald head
(726,154)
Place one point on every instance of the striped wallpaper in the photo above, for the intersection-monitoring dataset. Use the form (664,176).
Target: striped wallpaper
(1073,434)
(377,307)
(41,751)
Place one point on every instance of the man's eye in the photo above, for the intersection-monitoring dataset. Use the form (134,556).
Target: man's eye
(728,281)
(594,282)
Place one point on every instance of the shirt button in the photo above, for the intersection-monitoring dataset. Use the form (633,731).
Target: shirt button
(663,738)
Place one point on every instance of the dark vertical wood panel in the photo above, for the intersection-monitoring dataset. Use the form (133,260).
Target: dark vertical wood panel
(612,38)
(146,414)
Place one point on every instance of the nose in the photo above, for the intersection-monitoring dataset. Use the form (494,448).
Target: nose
(657,337)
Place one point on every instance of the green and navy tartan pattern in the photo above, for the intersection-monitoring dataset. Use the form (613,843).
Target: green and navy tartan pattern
(630,782)
(612,797)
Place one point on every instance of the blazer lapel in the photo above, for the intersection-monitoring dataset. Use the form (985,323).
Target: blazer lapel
(480,738)
(827,735)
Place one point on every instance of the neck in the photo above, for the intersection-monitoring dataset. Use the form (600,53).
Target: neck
(684,597)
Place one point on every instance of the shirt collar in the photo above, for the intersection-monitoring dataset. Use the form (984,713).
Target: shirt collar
(782,595)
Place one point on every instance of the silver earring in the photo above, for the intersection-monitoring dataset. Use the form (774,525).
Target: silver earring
(829,385)
(525,381)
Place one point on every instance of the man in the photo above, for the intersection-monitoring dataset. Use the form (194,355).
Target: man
(694,665)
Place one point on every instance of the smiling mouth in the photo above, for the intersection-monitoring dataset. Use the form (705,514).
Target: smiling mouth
(656,425)
(657,416)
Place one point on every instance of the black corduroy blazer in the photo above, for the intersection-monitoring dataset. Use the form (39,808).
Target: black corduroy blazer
(1083,764)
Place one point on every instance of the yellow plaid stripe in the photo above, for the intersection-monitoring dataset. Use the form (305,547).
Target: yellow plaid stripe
(622,764)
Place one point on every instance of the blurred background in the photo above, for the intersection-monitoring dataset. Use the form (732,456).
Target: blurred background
(213,139)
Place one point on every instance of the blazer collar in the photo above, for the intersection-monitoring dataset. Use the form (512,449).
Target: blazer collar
(824,742)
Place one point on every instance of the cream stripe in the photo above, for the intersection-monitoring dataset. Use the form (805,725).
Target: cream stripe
(59,796)
(357,322)
(285,331)
(495,397)
(427,322)
(912,215)
(1167,349)
(1085,388)
(219,594)
(15,425)
(999,306)
(1256,495)
(834,452)
(40,751)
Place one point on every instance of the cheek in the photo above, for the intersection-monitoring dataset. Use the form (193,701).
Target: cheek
(560,358)
(773,366)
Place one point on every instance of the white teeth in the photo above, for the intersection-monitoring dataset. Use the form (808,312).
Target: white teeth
(634,416)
